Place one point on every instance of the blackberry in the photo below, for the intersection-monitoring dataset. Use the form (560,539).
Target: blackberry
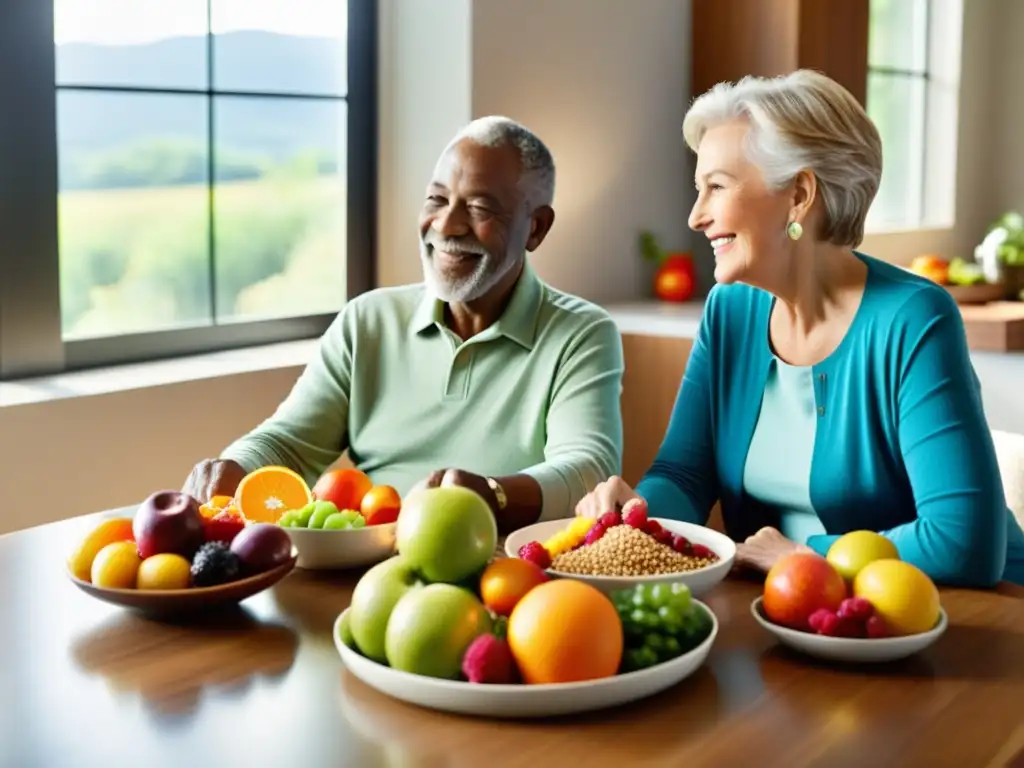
(215,564)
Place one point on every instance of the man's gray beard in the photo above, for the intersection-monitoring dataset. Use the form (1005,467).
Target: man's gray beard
(488,273)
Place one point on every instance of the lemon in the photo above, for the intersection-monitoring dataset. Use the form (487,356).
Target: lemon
(903,596)
(852,551)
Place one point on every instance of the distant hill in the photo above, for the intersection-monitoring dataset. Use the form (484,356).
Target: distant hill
(93,126)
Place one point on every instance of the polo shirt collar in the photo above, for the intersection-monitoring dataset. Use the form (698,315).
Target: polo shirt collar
(518,322)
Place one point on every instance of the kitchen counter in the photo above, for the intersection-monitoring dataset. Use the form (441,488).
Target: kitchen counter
(1001,373)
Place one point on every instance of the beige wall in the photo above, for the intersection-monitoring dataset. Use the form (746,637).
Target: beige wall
(603,82)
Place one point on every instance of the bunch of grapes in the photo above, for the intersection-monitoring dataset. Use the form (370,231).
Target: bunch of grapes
(661,622)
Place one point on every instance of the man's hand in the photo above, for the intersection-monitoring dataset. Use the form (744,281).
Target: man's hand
(448,477)
(766,547)
(213,477)
(608,496)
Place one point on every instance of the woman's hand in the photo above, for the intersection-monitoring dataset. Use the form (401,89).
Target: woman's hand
(766,547)
(606,497)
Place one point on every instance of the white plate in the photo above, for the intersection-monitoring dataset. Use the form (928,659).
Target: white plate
(519,700)
(850,649)
(357,547)
(699,581)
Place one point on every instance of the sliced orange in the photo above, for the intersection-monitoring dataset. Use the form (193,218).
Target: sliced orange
(267,493)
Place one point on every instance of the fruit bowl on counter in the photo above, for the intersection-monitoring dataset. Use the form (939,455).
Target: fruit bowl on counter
(622,550)
(860,603)
(171,559)
(447,624)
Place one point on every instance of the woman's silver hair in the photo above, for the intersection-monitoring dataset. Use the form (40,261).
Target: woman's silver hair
(802,121)
(537,181)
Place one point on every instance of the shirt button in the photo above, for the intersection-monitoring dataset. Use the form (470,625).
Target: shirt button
(821,410)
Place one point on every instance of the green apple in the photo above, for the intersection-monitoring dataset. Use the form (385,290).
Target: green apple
(374,597)
(345,631)
(447,534)
(430,629)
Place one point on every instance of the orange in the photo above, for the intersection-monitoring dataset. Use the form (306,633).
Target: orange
(116,566)
(505,581)
(267,493)
(345,488)
(107,532)
(381,504)
(903,596)
(565,631)
(216,505)
(164,571)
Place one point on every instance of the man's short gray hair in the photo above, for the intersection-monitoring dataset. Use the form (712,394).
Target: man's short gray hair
(537,181)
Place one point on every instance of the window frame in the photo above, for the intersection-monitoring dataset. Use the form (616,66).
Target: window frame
(31,342)
(935,172)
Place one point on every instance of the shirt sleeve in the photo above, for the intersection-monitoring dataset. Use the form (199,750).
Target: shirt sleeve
(584,421)
(682,482)
(309,429)
(960,534)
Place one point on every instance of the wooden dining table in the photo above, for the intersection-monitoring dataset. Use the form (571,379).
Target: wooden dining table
(87,684)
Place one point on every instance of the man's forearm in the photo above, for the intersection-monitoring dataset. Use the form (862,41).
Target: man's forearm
(524,501)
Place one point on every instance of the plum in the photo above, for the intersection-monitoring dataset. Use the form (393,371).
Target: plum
(262,546)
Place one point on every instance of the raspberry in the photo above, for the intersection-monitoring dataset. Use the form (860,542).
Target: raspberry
(876,628)
(634,514)
(681,544)
(824,622)
(610,519)
(594,534)
(699,550)
(535,553)
(651,527)
(663,537)
(856,608)
(489,660)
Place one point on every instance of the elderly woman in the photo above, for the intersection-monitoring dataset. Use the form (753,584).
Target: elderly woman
(826,391)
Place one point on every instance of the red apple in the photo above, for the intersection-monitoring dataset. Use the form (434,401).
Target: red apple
(168,522)
(800,584)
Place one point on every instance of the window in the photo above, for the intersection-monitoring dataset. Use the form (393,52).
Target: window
(912,95)
(197,175)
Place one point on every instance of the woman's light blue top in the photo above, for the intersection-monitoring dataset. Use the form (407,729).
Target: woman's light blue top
(901,443)
(778,467)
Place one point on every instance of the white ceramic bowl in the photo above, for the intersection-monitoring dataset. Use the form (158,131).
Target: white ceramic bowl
(329,550)
(524,701)
(699,581)
(847,649)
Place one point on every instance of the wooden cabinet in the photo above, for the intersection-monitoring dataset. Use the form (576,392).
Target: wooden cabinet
(733,38)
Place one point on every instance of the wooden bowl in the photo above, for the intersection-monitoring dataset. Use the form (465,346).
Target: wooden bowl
(179,602)
(983,293)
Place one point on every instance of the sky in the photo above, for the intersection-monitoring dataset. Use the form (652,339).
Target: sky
(124,22)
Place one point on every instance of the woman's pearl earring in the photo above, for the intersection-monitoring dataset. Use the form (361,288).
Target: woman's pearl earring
(794,230)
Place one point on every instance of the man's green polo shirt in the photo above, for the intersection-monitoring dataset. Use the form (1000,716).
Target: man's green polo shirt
(537,393)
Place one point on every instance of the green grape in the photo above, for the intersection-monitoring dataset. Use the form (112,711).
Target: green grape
(322,510)
(289,519)
(682,598)
(671,620)
(657,645)
(660,595)
(359,521)
(672,647)
(302,515)
(336,522)
(646,657)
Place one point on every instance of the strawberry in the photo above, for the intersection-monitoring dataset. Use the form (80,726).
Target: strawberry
(699,550)
(223,526)
(610,519)
(594,534)
(856,608)
(634,513)
(681,544)
(651,527)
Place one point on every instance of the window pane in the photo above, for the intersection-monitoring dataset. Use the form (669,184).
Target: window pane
(898,34)
(134,205)
(896,103)
(279,207)
(281,46)
(133,43)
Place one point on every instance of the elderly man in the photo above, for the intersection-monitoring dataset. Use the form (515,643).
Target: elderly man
(482,376)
